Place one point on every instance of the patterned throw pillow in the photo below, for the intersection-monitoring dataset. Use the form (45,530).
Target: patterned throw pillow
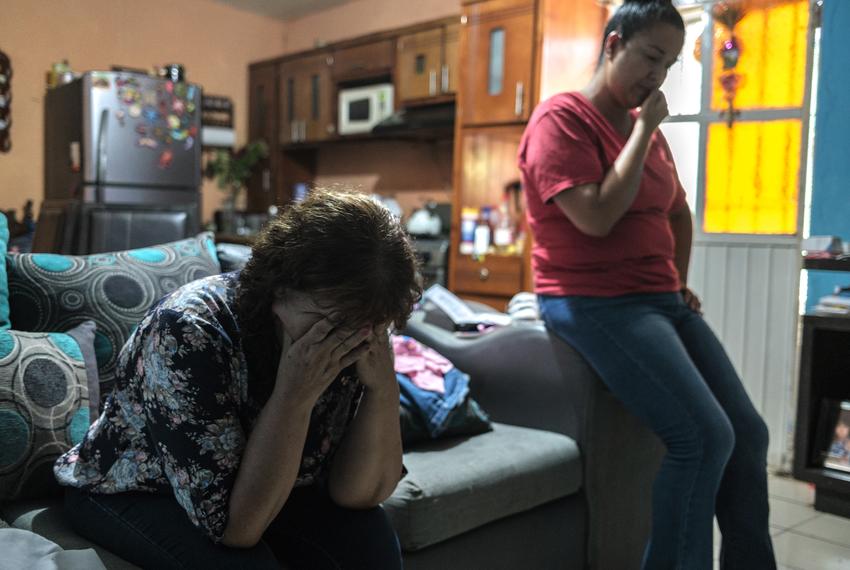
(4,286)
(44,405)
(49,292)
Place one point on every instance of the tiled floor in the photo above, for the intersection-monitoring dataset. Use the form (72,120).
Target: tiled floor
(803,538)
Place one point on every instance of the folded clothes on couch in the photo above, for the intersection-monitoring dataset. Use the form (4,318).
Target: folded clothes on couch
(434,398)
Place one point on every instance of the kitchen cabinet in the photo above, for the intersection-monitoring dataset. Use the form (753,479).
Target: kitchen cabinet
(262,125)
(306,109)
(426,64)
(512,54)
(496,54)
(364,60)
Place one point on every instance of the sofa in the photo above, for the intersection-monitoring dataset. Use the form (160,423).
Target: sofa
(546,488)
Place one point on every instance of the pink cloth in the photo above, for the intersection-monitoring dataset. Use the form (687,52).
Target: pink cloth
(425,367)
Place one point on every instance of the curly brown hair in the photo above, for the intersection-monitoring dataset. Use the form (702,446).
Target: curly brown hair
(336,245)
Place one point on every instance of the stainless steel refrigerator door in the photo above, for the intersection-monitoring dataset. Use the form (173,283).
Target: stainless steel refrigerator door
(141,131)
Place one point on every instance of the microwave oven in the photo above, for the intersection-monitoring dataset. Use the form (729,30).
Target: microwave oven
(361,108)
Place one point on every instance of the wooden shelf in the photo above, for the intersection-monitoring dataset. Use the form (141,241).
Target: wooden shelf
(827,264)
(828,322)
(829,478)
(417,135)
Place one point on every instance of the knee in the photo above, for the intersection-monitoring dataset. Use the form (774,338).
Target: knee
(380,545)
(718,440)
(754,436)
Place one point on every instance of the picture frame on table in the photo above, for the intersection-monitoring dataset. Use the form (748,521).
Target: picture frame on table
(834,435)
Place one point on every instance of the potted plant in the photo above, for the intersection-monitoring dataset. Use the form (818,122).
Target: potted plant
(232,171)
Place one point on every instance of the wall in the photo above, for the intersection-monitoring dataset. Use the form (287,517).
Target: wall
(830,203)
(410,173)
(362,17)
(215,43)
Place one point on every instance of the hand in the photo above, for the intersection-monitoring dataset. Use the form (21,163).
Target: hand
(309,365)
(691,300)
(375,369)
(653,110)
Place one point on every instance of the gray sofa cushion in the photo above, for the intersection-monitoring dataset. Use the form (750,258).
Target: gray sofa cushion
(456,485)
(45,517)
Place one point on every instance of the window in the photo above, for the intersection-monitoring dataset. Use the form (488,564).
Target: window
(743,176)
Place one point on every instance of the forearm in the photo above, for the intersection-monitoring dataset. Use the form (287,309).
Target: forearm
(620,186)
(681,225)
(367,465)
(268,469)
(596,208)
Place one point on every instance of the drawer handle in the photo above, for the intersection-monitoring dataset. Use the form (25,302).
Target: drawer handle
(484,274)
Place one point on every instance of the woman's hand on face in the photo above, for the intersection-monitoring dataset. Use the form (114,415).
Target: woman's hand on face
(375,368)
(653,110)
(309,365)
(691,300)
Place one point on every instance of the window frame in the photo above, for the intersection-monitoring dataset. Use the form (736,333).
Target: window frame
(707,117)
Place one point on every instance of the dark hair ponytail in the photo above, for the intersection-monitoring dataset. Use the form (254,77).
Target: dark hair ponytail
(637,15)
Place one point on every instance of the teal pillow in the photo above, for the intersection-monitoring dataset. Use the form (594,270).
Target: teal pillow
(4,285)
(44,406)
(49,292)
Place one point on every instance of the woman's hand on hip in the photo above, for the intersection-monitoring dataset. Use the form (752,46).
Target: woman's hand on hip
(691,300)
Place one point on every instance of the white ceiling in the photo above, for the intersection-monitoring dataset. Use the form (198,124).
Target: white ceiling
(282,9)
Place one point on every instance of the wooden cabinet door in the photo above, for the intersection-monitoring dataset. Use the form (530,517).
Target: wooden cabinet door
(306,99)
(261,103)
(449,73)
(419,61)
(496,46)
(289,122)
(262,125)
(364,61)
(315,98)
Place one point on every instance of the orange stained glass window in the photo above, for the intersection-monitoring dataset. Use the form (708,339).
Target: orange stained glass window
(752,177)
(773,56)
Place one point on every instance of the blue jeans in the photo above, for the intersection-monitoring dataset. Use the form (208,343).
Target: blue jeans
(663,362)
(153,531)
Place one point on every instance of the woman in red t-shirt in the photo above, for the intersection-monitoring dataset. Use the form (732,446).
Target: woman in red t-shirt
(612,243)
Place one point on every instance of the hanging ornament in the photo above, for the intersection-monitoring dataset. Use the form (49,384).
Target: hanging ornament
(728,14)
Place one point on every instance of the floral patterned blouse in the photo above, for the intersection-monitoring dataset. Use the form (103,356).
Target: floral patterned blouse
(183,408)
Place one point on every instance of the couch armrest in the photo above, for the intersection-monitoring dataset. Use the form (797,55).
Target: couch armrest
(524,376)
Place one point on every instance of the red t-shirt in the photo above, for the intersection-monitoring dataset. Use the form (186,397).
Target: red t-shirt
(567,143)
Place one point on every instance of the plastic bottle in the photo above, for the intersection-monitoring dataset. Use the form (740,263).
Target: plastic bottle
(468,217)
(483,233)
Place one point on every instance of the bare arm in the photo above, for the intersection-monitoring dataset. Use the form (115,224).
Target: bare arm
(367,464)
(272,455)
(595,208)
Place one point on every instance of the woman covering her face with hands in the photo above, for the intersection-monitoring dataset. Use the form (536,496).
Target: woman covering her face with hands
(255,422)
(612,244)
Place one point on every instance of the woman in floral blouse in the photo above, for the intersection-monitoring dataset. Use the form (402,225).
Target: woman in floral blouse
(255,422)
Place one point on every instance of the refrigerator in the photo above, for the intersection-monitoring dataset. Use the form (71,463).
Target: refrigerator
(122,163)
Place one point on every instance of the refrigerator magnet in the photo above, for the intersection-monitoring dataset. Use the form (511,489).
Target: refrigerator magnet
(165,159)
(74,156)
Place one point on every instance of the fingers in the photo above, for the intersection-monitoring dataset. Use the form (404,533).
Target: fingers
(354,355)
(320,331)
(352,342)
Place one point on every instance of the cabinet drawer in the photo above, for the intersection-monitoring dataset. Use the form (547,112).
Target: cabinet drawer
(364,60)
(494,275)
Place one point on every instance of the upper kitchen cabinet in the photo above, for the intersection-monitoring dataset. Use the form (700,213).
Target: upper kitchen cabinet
(497,47)
(426,64)
(262,82)
(364,60)
(262,125)
(306,99)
